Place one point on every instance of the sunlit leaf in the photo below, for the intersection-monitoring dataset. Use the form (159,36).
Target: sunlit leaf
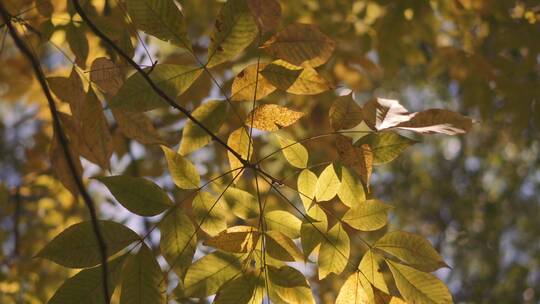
(307,186)
(137,95)
(367,215)
(360,159)
(139,195)
(272,117)
(281,247)
(161,19)
(212,115)
(301,45)
(243,204)
(209,212)
(288,286)
(244,84)
(350,191)
(294,79)
(419,287)
(142,279)
(370,266)
(234,30)
(385,146)
(86,286)
(334,252)
(209,273)
(266,13)
(178,240)
(312,230)
(295,153)
(235,239)
(95,130)
(240,141)
(382,113)
(327,184)
(183,172)
(345,113)
(283,222)
(77,246)
(352,291)
(411,249)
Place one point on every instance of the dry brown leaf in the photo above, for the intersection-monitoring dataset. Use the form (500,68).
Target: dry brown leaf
(95,129)
(137,126)
(60,165)
(345,113)
(106,75)
(360,159)
(271,117)
(266,13)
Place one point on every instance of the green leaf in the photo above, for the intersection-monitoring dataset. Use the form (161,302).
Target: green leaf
(142,279)
(244,84)
(311,231)
(178,240)
(161,19)
(327,184)
(307,186)
(345,113)
(411,249)
(301,45)
(240,142)
(243,204)
(138,195)
(183,172)
(281,247)
(294,79)
(247,288)
(288,286)
(235,239)
(294,152)
(334,252)
(86,287)
(212,115)
(209,273)
(368,215)
(350,191)
(234,30)
(419,287)
(386,146)
(370,266)
(77,247)
(283,222)
(352,291)
(271,117)
(209,212)
(136,95)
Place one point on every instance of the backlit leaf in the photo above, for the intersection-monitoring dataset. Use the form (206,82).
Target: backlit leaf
(367,215)
(385,146)
(327,184)
(360,159)
(307,186)
(142,279)
(95,130)
(281,247)
(419,287)
(183,172)
(288,286)
(283,222)
(61,166)
(345,113)
(209,212)
(77,247)
(266,13)
(178,240)
(294,152)
(370,266)
(240,141)
(272,117)
(161,19)
(209,273)
(294,79)
(211,114)
(243,204)
(350,191)
(352,291)
(243,86)
(301,45)
(78,43)
(235,239)
(311,231)
(137,95)
(411,249)
(138,126)
(245,289)
(234,30)
(382,113)
(106,75)
(139,195)
(86,287)
(334,252)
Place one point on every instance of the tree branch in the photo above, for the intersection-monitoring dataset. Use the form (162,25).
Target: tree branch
(64,144)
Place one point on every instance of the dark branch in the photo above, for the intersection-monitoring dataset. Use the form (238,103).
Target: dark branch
(64,144)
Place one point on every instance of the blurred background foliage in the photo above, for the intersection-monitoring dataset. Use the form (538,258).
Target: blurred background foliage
(474,196)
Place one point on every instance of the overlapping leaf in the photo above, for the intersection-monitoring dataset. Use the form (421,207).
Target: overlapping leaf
(244,84)
(178,240)
(271,117)
(367,215)
(183,172)
(294,79)
(334,252)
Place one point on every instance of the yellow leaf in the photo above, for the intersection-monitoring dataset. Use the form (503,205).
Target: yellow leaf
(307,186)
(370,266)
(239,140)
(283,222)
(247,288)
(209,212)
(243,204)
(311,231)
(327,184)
(281,247)
(243,87)
(294,79)
(352,291)
(368,215)
(288,286)
(235,239)
(183,172)
(300,44)
(178,240)
(271,117)
(350,191)
(294,152)
(419,287)
(334,252)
